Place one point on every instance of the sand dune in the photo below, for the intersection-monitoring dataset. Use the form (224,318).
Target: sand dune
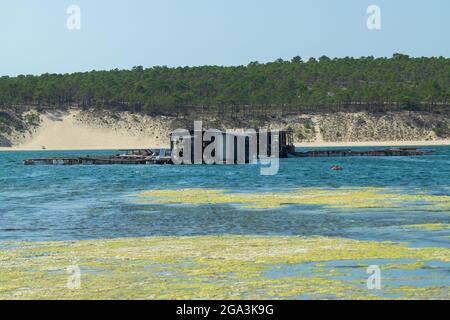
(77,130)
(66,132)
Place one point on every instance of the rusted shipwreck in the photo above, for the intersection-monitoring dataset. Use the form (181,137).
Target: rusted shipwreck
(284,143)
(285,146)
(162,157)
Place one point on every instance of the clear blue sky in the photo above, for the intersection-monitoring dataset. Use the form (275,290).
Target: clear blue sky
(124,33)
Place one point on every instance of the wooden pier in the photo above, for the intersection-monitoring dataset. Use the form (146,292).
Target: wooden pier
(96,161)
(134,157)
(145,158)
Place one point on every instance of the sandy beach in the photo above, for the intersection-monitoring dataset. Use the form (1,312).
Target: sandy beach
(106,141)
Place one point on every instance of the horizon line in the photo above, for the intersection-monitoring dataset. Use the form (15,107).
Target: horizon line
(304,60)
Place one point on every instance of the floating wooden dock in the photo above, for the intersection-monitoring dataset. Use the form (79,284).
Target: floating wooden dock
(134,157)
(392,152)
(95,161)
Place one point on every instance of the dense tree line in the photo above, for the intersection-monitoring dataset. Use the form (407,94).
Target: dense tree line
(396,81)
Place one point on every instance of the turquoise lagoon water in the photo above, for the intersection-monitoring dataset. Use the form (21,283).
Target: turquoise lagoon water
(52,203)
(45,203)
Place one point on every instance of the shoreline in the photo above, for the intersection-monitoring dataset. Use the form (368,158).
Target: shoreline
(420,143)
(302,145)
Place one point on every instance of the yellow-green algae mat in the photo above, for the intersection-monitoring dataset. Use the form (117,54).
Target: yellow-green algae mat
(210,267)
(341,198)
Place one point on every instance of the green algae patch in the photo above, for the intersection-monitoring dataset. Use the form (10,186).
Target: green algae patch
(411,292)
(210,267)
(405,266)
(429,226)
(342,198)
